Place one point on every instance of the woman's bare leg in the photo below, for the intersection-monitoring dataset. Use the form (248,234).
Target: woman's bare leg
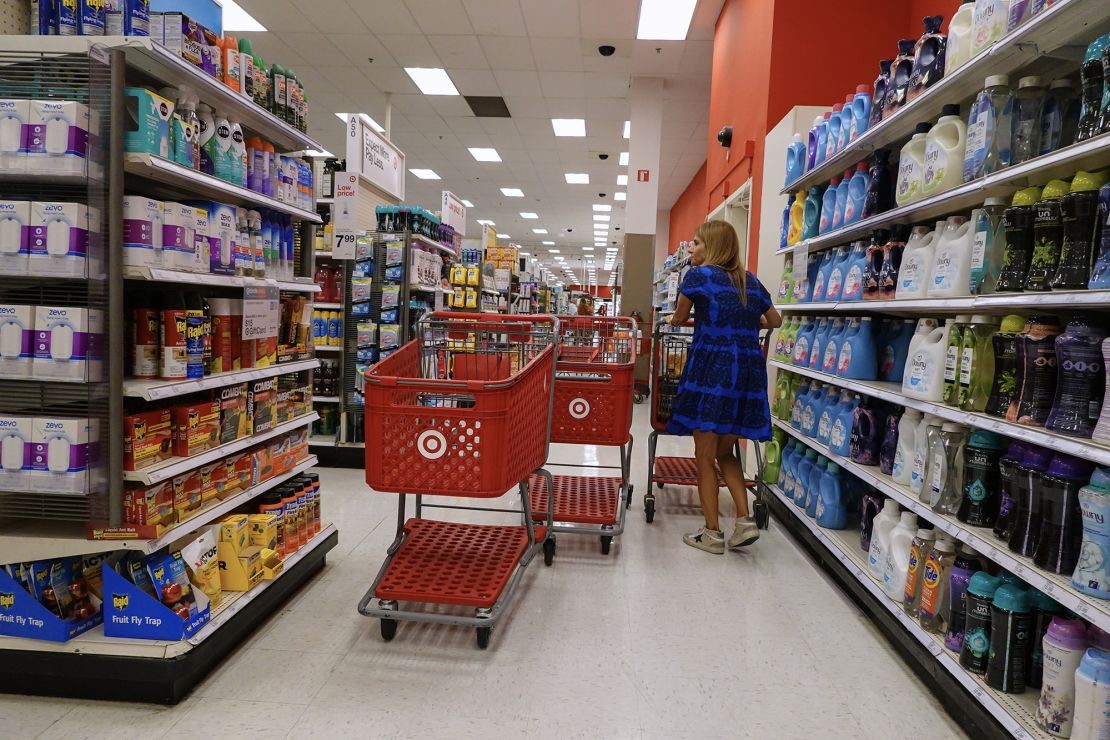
(732,472)
(705,452)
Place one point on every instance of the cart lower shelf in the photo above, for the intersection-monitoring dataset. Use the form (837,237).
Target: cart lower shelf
(454,563)
(579,499)
(678,471)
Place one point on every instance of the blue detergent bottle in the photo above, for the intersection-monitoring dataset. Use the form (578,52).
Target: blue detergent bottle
(845,124)
(813,489)
(853,278)
(857,353)
(789,460)
(795,159)
(832,346)
(833,136)
(803,342)
(811,145)
(824,271)
(837,274)
(840,438)
(832,511)
(829,414)
(828,207)
(895,349)
(812,410)
(822,139)
(1100,274)
(819,338)
(799,404)
(813,265)
(801,476)
(857,193)
(841,200)
(861,112)
(811,215)
(784,232)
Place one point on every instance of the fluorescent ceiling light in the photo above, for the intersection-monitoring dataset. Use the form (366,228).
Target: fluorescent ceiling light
(432,80)
(468,204)
(484,155)
(588,249)
(552,244)
(539,231)
(577,178)
(627,128)
(602,207)
(486,222)
(425,174)
(620,195)
(503,236)
(601,217)
(622,180)
(553,251)
(237,19)
(528,214)
(318,153)
(512,192)
(601,233)
(665,20)
(569,126)
(525,254)
(373,124)
(623,163)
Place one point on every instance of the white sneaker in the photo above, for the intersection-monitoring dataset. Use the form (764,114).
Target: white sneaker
(746,533)
(710,540)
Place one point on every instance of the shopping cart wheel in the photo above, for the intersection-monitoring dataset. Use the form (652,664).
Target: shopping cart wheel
(548,552)
(628,501)
(483,637)
(762,515)
(389,629)
(659,486)
(649,508)
(606,543)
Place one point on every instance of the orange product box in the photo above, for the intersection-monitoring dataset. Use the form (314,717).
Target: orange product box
(234,419)
(238,473)
(262,405)
(213,480)
(149,505)
(196,428)
(147,439)
(188,492)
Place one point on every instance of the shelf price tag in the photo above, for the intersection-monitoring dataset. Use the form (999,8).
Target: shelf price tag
(261,317)
(344,247)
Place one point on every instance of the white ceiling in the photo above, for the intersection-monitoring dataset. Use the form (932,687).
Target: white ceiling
(541,56)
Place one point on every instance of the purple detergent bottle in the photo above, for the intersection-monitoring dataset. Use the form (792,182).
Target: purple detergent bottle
(890,444)
(864,448)
(965,566)
(1061,515)
(1081,382)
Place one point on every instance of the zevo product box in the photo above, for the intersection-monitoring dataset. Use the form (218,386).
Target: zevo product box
(150,508)
(196,428)
(262,404)
(188,494)
(17,340)
(57,138)
(13,131)
(179,247)
(220,231)
(143,230)
(68,343)
(147,439)
(63,451)
(16,433)
(202,253)
(63,239)
(263,530)
(235,422)
(15,234)
(147,125)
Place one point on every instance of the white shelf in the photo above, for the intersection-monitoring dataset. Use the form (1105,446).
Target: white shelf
(993,303)
(328,348)
(164,275)
(153,390)
(1058,587)
(1060,28)
(178,465)
(320,441)
(325,399)
(197,184)
(1015,712)
(1094,450)
(94,642)
(425,288)
(423,240)
(324,201)
(330,306)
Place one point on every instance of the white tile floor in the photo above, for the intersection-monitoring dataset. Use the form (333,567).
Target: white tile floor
(655,640)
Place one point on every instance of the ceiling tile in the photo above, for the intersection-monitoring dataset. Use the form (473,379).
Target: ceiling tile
(508,53)
(607,85)
(440,16)
(314,47)
(574,107)
(517,83)
(390,79)
(496,17)
(359,48)
(450,105)
(521,107)
(609,21)
(383,17)
(470,130)
(475,82)
(548,19)
(411,50)
(459,52)
(276,15)
(612,112)
(562,84)
(334,16)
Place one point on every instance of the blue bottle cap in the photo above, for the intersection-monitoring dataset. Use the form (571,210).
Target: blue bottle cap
(983,584)
(1011,598)
(988,440)
(1041,601)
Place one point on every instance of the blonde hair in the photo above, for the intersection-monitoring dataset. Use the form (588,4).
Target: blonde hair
(722,248)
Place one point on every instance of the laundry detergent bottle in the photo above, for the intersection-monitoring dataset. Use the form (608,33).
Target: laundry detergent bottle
(801,476)
(907,439)
(880,90)
(822,139)
(977,367)
(896,346)
(861,112)
(832,136)
(963,570)
(837,274)
(979,506)
(853,276)
(920,546)
(988,129)
(1100,272)
(857,352)
(945,146)
(887,519)
(896,563)
(916,272)
(924,377)
(811,143)
(824,272)
(1063,646)
(1061,513)
(1036,374)
(830,351)
(857,194)
(1017,225)
(889,446)
(928,57)
(1011,628)
(813,487)
(927,430)
(811,213)
(946,478)
(873,265)
(952,259)
(831,510)
(795,159)
(958,49)
(911,167)
(987,247)
(934,585)
(841,200)
(1092,570)
(840,436)
(952,357)
(892,261)
(1081,379)
(880,187)
(829,415)
(1079,212)
(978,600)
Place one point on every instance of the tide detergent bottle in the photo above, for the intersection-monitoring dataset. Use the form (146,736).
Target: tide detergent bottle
(857,353)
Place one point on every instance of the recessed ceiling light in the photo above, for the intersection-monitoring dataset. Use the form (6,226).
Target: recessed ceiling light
(539,231)
(602,207)
(569,126)
(601,234)
(620,195)
(484,155)
(622,180)
(373,124)
(526,214)
(627,128)
(236,19)
(432,80)
(552,244)
(601,217)
(468,204)
(425,174)
(623,162)
(525,254)
(577,178)
(553,251)
(486,222)
(503,236)
(588,249)
(512,192)
(665,20)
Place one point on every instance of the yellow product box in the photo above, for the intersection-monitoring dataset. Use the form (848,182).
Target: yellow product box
(272,564)
(235,532)
(240,571)
(264,530)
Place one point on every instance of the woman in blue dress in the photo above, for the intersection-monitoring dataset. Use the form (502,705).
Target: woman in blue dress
(722,394)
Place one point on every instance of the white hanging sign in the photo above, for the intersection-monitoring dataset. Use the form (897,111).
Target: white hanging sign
(371,156)
(346,201)
(452,212)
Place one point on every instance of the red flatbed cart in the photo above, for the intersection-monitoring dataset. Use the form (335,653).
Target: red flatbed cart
(594,383)
(670,347)
(463,410)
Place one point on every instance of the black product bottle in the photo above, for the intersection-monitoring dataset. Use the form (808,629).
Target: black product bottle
(1079,210)
(979,506)
(1048,233)
(1005,345)
(1026,491)
(1036,372)
(1017,220)
(977,621)
(928,57)
(1061,517)
(900,72)
(1011,624)
(206,327)
(882,85)
(1007,467)
(1090,115)
(1104,124)
(892,260)
(873,265)
(1044,609)
(880,191)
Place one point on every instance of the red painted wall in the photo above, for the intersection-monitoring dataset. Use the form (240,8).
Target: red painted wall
(689,211)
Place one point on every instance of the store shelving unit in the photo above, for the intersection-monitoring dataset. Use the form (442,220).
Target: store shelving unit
(33,526)
(1064,300)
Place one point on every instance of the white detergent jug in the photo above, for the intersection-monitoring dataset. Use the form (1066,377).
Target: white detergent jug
(958,49)
(952,258)
(903,455)
(911,167)
(880,537)
(916,270)
(945,147)
(897,563)
(921,451)
(924,378)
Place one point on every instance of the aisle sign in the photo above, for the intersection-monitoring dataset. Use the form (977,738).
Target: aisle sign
(452,212)
(346,201)
(375,158)
(261,314)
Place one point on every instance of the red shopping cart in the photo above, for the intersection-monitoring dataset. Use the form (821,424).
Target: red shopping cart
(670,348)
(463,410)
(594,382)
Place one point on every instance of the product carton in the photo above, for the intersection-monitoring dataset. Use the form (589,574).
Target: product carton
(263,530)
(17,340)
(68,343)
(179,240)
(213,482)
(235,532)
(196,428)
(147,128)
(147,439)
(149,507)
(57,138)
(262,405)
(63,454)
(15,234)
(14,113)
(188,494)
(16,433)
(143,229)
(63,239)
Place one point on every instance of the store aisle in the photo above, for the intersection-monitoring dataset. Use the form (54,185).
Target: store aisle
(657,640)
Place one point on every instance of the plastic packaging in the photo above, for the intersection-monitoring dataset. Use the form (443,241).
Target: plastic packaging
(1063,646)
(907,439)
(945,148)
(1028,107)
(1011,626)
(934,586)
(911,167)
(978,599)
(924,378)
(1079,211)
(960,37)
(987,247)
(1061,517)
(1059,116)
(989,129)
(896,561)
(952,259)
(1081,379)
(1092,570)
(977,368)
(979,506)
(1004,384)
(946,476)
(880,188)
(1035,378)
(920,546)
(963,570)
(915,272)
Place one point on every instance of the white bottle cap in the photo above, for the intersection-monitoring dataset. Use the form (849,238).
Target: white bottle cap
(996,80)
(1030,81)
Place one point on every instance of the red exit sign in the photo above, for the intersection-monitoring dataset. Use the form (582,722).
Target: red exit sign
(643,175)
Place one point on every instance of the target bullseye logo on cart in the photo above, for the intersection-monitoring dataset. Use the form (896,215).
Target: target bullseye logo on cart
(431,444)
(579,408)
